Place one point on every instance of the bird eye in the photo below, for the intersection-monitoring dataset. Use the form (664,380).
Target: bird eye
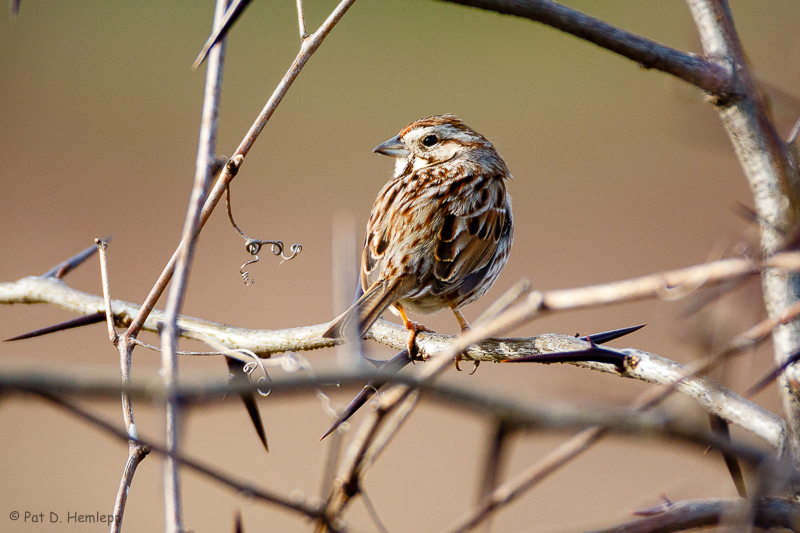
(430,140)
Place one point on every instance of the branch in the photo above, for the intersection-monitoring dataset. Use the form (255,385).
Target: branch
(204,165)
(773,180)
(641,365)
(712,77)
(690,514)
(523,415)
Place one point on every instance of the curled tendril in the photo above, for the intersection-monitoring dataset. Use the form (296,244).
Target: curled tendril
(253,246)
(251,367)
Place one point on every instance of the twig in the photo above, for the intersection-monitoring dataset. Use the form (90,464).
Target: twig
(191,231)
(528,478)
(301,20)
(102,248)
(494,463)
(369,442)
(136,451)
(712,77)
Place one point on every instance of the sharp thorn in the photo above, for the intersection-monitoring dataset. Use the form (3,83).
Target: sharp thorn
(238,376)
(84,320)
(233,12)
(607,336)
(62,269)
(393,365)
(595,354)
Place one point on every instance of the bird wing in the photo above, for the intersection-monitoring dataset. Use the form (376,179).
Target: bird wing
(468,237)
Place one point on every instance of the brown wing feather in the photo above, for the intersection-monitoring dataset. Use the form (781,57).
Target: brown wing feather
(467,242)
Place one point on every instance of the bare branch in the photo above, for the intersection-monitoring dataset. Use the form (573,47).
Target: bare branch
(204,163)
(691,514)
(773,179)
(712,77)
(528,478)
(644,366)
(523,415)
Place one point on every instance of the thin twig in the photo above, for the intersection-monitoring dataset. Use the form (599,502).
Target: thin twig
(205,161)
(231,169)
(301,20)
(102,248)
(136,451)
(527,479)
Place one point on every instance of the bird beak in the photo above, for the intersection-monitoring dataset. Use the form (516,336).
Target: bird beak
(394,147)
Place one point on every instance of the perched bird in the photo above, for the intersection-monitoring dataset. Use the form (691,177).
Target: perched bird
(440,231)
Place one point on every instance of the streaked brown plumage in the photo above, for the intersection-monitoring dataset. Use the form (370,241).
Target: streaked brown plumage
(440,231)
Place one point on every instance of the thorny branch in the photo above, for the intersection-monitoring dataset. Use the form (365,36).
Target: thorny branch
(645,366)
(136,451)
(691,514)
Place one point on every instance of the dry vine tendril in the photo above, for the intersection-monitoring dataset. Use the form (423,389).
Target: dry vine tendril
(253,246)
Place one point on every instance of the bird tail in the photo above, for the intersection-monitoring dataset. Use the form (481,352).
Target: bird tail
(363,313)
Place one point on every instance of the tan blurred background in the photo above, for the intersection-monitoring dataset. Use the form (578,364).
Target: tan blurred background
(618,172)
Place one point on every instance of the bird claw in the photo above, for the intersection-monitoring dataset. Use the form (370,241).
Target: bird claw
(413,329)
(475,364)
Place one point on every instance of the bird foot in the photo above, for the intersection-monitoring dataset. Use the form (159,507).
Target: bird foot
(465,327)
(413,329)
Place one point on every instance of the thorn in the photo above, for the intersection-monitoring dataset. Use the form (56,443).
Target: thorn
(607,336)
(393,365)
(772,375)
(595,354)
(238,527)
(232,14)
(237,376)
(85,320)
(62,269)
(721,428)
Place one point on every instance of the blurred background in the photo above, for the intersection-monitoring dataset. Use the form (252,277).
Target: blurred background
(618,172)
